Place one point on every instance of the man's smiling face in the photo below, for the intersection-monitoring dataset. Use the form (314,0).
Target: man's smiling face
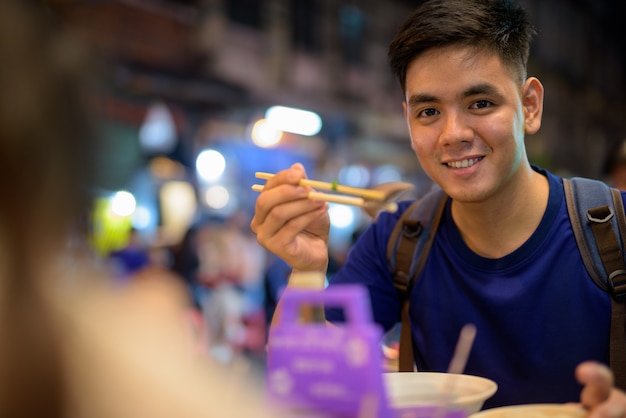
(467,114)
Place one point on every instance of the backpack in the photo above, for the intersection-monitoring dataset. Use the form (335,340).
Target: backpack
(596,212)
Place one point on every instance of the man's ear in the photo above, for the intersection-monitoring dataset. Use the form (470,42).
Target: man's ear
(532,104)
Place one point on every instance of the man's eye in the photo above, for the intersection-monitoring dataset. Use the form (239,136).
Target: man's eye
(481,104)
(428,112)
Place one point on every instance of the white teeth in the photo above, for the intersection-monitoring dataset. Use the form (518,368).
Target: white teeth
(463,163)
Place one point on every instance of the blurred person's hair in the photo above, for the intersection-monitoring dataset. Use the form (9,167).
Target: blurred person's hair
(499,26)
(45,166)
(615,157)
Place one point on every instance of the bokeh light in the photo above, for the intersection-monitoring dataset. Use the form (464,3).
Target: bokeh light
(265,135)
(341,216)
(354,175)
(123,203)
(210,165)
(142,218)
(158,131)
(217,197)
(297,121)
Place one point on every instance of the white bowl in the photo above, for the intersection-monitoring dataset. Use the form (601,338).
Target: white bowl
(407,390)
(534,411)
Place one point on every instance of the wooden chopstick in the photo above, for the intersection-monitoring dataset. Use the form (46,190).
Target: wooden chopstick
(328,197)
(346,200)
(357,191)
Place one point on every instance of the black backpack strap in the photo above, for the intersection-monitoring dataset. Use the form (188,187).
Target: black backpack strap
(618,303)
(599,223)
(407,251)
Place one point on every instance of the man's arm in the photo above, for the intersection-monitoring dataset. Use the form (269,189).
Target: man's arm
(304,280)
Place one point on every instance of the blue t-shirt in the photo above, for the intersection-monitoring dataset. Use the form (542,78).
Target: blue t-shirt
(537,312)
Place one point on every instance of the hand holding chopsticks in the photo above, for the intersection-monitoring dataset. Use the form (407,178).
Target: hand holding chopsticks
(372,200)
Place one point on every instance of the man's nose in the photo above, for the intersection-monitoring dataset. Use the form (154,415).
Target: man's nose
(455,129)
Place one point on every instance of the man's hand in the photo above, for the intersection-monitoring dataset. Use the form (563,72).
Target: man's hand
(289,224)
(598,394)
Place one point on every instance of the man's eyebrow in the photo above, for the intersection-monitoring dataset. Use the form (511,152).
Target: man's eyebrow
(477,89)
(482,88)
(416,99)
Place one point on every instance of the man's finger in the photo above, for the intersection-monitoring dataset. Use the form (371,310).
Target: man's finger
(597,380)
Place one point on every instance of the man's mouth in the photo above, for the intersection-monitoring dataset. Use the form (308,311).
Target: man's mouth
(464,163)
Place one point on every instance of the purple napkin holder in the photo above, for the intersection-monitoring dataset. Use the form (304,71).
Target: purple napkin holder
(331,371)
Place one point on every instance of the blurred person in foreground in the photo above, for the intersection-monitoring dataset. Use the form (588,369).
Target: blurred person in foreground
(504,255)
(71,343)
(615,166)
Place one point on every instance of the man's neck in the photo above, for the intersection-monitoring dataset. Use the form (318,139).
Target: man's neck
(500,225)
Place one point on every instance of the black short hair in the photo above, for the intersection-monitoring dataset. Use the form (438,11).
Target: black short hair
(500,26)
(615,157)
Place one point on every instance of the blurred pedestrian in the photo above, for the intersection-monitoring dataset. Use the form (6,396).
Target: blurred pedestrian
(130,259)
(615,166)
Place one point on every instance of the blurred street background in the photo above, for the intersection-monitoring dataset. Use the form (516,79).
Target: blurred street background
(188,100)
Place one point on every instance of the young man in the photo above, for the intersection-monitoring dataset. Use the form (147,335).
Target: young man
(504,256)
